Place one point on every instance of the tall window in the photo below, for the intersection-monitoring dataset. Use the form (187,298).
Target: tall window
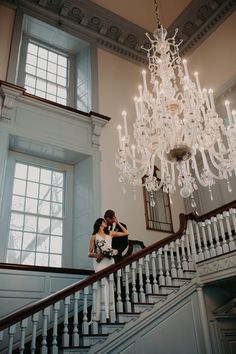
(46,73)
(158,217)
(36,222)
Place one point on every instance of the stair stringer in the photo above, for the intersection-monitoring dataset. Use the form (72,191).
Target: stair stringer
(134,337)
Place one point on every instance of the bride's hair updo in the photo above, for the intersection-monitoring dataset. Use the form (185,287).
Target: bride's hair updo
(97,225)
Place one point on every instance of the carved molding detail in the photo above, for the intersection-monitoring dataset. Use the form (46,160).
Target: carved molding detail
(8,99)
(212,269)
(110,31)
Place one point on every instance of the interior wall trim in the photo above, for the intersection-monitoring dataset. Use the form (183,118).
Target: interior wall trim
(121,37)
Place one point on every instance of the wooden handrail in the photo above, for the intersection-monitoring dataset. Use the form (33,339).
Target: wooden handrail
(193,216)
(61,294)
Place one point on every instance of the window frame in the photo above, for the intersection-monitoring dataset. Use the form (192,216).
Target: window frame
(71,69)
(68,199)
(147,205)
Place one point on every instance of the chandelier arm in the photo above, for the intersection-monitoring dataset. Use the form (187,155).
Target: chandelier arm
(206,165)
(197,173)
(217,166)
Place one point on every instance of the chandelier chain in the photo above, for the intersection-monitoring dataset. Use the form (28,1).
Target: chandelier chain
(157,13)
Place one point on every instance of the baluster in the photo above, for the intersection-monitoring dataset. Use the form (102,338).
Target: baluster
(232,213)
(184,260)
(192,241)
(1,336)
(155,286)
(206,251)
(11,332)
(190,261)
(212,248)
(200,256)
(134,295)
(94,312)
(127,297)
(231,241)
(85,328)
(35,319)
(119,303)
(112,314)
(103,312)
(167,269)
(23,327)
(222,231)
(44,348)
(75,335)
(56,307)
(180,273)
(65,337)
(161,274)
(140,273)
(218,246)
(148,287)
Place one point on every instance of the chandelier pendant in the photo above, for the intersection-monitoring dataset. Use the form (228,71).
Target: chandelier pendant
(177,128)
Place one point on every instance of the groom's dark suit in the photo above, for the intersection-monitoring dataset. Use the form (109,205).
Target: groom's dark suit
(118,243)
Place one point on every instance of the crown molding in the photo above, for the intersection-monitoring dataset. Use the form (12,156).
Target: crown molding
(121,37)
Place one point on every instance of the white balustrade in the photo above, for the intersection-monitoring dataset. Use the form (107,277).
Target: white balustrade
(75,335)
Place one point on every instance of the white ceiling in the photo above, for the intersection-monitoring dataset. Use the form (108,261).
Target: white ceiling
(142,12)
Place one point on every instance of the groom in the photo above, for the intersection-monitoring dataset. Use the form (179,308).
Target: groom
(118,243)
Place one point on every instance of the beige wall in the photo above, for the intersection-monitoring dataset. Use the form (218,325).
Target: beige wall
(118,80)
(6,25)
(215,59)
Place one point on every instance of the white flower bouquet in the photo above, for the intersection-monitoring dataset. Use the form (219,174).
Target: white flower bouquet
(103,247)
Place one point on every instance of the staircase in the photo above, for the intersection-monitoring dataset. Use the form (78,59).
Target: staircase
(148,283)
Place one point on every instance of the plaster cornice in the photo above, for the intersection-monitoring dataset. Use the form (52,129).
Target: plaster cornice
(121,37)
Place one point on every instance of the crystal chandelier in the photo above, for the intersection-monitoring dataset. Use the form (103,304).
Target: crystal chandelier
(177,128)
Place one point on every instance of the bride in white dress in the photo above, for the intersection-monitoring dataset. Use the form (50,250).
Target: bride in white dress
(101,261)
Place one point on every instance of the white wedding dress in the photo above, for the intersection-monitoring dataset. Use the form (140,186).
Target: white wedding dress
(105,262)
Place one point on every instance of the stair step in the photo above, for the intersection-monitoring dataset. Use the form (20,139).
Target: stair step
(165,290)
(189,273)
(75,350)
(154,298)
(87,340)
(142,306)
(108,328)
(180,281)
(126,317)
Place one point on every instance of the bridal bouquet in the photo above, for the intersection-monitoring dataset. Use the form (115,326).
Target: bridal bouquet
(105,249)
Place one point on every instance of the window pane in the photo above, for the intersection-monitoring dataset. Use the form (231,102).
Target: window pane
(31,205)
(46,176)
(43,243)
(44,208)
(30,81)
(13,256)
(42,64)
(43,53)
(56,244)
(61,91)
(45,192)
(32,189)
(51,88)
(51,77)
(41,73)
(41,85)
(41,259)
(52,67)
(19,187)
(57,179)
(61,101)
(56,210)
(55,260)
(33,174)
(44,225)
(31,59)
(18,203)
(62,61)
(32,48)
(17,221)
(29,241)
(30,69)
(62,71)
(15,240)
(57,195)
(52,57)
(56,227)
(61,81)
(30,223)
(28,257)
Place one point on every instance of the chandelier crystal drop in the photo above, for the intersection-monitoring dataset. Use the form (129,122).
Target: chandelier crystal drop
(177,128)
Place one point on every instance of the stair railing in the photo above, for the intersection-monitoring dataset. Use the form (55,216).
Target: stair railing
(151,272)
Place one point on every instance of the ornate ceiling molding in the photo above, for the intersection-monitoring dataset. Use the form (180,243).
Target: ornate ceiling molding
(115,34)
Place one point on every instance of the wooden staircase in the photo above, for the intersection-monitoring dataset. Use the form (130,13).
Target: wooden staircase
(65,322)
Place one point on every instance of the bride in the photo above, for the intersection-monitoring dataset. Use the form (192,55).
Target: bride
(102,259)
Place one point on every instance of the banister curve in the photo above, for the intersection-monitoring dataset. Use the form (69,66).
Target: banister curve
(30,309)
